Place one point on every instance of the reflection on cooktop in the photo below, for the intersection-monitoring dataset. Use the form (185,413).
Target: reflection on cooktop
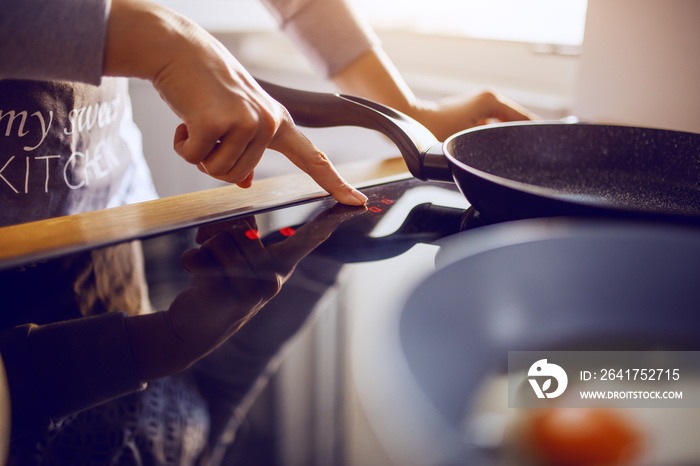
(397,216)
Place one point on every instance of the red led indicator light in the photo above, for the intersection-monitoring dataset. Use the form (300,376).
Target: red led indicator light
(287,231)
(252,234)
(387,201)
(374,209)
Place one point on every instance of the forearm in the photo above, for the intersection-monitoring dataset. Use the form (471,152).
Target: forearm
(373,76)
(59,369)
(77,40)
(143,37)
(158,350)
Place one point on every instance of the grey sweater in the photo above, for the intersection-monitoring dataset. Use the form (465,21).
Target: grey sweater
(59,40)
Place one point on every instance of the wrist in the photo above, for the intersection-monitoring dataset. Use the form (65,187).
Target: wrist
(157,349)
(141,38)
(373,76)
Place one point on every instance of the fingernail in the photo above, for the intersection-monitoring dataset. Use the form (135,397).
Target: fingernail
(359,196)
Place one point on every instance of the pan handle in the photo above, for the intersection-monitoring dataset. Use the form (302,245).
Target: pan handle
(420,149)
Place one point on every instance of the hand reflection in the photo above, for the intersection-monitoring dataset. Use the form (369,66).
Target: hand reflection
(232,376)
(234,275)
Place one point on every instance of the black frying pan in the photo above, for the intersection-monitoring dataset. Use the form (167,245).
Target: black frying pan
(532,169)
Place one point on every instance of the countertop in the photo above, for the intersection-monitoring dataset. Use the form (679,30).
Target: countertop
(28,242)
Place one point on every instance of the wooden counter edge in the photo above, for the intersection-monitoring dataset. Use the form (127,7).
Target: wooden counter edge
(23,243)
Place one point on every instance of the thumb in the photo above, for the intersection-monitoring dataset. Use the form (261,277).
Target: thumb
(505,109)
(301,152)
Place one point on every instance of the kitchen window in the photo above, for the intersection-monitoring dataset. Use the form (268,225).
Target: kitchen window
(537,21)
(559,22)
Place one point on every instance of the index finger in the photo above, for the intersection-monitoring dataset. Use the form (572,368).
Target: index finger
(311,235)
(301,152)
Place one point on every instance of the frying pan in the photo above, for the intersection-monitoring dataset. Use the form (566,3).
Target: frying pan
(521,170)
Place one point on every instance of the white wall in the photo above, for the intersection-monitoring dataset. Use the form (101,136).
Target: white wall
(640,64)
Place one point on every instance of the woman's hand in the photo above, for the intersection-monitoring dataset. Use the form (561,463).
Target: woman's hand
(228,120)
(374,76)
(453,114)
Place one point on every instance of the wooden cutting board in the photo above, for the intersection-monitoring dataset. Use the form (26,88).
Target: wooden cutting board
(29,242)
